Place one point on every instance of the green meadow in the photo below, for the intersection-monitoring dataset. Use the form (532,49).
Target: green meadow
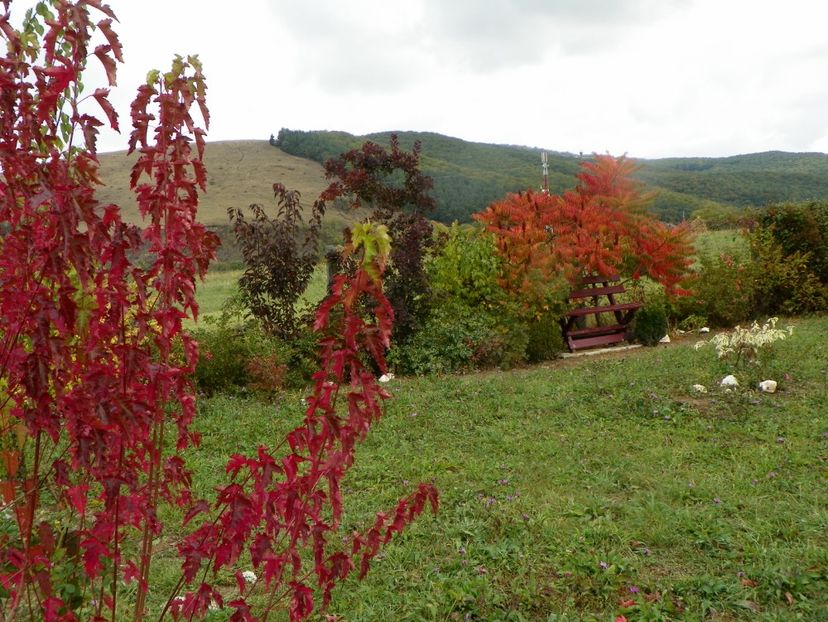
(582,489)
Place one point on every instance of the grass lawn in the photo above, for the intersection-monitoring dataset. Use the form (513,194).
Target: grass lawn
(219,285)
(585,489)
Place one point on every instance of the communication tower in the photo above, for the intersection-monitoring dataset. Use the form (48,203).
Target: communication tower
(545,162)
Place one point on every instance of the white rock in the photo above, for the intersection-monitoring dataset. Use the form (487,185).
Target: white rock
(664,339)
(386,377)
(729,381)
(699,388)
(768,386)
(704,329)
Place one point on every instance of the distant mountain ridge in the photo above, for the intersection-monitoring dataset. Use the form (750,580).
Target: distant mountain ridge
(468,176)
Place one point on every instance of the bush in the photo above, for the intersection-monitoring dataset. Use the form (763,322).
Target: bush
(650,323)
(545,340)
(465,268)
(723,292)
(460,338)
(784,282)
(800,228)
(234,357)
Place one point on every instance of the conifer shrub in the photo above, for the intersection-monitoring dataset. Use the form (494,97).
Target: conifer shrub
(544,338)
(650,323)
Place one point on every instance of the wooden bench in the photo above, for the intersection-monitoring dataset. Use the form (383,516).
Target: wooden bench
(594,288)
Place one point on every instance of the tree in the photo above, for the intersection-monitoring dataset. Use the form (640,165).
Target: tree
(96,396)
(391,183)
(599,227)
(278,266)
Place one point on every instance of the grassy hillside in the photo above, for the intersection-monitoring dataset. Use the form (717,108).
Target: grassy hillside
(240,172)
(468,176)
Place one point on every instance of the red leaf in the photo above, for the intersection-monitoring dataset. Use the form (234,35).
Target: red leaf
(102,52)
(103,8)
(105,26)
(77,497)
(102,97)
(301,605)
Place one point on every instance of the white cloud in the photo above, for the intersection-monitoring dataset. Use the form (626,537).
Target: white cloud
(646,77)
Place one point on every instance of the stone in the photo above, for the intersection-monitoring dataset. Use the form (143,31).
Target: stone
(386,377)
(729,381)
(664,339)
(768,386)
(704,329)
(699,388)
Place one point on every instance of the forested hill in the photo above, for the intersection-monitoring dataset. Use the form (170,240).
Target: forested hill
(468,176)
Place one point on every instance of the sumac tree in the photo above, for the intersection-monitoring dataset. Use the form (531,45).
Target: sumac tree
(96,398)
(600,226)
(390,182)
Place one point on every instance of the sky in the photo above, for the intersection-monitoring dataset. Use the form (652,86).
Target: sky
(649,78)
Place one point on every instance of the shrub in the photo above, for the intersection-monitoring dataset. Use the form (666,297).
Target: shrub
(723,291)
(458,337)
(800,228)
(238,356)
(783,282)
(650,323)
(544,338)
(748,345)
(465,268)
(391,183)
(278,266)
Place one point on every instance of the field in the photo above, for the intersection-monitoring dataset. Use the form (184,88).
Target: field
(586,489)
(571,487)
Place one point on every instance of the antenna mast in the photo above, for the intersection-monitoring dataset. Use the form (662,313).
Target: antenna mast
(545,162)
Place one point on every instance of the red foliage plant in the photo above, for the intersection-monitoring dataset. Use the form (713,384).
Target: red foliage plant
(96,403)
(390,181)
(599,227)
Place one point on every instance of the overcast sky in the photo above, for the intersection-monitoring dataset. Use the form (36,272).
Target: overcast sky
(649,78)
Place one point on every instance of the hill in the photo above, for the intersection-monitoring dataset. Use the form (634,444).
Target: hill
(468,176)
(239,172)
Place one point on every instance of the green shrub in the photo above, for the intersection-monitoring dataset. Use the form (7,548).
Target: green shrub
(233,357)
(783,282)
(723,291)
(460,338)
(544,338)
(650,323)
(800,228)
(465,268)
(222,359)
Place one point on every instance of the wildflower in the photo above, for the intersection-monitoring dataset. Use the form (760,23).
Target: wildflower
(249,576)
(603,565)
(633,589)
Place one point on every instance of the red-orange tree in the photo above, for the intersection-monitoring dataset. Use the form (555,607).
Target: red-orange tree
(599,227)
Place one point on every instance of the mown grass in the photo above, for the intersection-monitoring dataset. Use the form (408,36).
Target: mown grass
(585,489)
(221,285)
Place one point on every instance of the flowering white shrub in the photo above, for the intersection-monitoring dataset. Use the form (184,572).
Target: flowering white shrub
(746,344)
